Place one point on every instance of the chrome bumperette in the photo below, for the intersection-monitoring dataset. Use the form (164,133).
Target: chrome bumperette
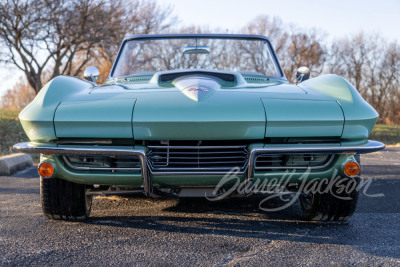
(141,154)
(368,147)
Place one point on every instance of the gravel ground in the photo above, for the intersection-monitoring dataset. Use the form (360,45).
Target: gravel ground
(133,230)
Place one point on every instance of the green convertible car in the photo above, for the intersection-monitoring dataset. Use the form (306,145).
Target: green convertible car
(190,115)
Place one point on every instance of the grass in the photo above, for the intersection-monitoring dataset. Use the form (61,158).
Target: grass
(388,134)
(11,132)
(9,114)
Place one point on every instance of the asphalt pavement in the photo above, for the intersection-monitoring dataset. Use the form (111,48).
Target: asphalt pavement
(133,230)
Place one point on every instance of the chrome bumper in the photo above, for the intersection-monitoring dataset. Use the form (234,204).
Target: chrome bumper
(368,147)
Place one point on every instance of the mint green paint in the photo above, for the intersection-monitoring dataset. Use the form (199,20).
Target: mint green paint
(336,170)
(330,85)
(175,116)
(127,178)
(360,117)
(247,108)
(37,117)
(36,129)
(293,177)
(109,118)
(303,118)
(94,177)
(324,106)
(134,179)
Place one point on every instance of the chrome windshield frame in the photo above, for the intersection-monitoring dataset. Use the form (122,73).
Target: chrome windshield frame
(189,36)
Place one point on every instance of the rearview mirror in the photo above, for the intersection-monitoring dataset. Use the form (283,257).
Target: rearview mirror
(302,74)
(91,74)
(196,50)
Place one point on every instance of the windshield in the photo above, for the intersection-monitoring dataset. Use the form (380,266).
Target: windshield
(146,56)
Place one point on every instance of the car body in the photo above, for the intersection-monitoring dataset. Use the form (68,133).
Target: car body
(179,112)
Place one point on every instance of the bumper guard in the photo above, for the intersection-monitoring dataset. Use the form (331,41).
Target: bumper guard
(368,147)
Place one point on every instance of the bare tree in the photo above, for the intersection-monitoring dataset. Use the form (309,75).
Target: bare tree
(17,97)
(295,47)
(372,65)
(65,35)
(136,17)
(352,57)
(368,62)
(304,49)
(273,28)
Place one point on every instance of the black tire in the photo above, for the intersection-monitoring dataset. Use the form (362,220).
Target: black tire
(330,206)
(63,200)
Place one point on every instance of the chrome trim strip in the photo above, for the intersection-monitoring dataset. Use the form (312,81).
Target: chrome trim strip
(83,142)
(28,148)
(370,146)
(197,147)
(318,167)
(69,164)
(195,173)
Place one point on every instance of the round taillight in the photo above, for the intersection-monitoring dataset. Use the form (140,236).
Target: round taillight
(46,169)
(351,169)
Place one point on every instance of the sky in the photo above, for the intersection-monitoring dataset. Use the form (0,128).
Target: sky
(337,18)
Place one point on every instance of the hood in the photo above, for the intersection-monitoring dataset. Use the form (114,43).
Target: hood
(197,108)
(188,107)
(200,107)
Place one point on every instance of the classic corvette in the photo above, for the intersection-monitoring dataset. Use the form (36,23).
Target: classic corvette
(178,113)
